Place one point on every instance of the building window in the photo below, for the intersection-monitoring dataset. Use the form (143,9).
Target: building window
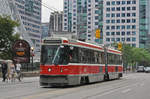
(128,26)
(133,20)
(123,33)
(118,8)
(112,15)
(128,9)
(128,2)
(133,39)
(107,21)
(133,26)
(118,21)
(108,39)
(123,20)
(123,9)
(118,39)
(113,9)
(113,2)
(123,27)
(112,39)
(123,2)
(117,33)
(128,14)
(112,27)
(112,33)
(107,27)
(107,33)
(123,39)
(108,3)
(118,2)
(133,32)
(118,15)
(128,39)
(118,27)
(128,20)
(123,14)
(134,2)
(112,21)
(96,17)
(134,14)
(133,8)
(107,15)
(128,33)
(107,9)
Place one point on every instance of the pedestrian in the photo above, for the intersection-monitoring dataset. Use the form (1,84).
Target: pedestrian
(4,70)
(18,70)
(12,72)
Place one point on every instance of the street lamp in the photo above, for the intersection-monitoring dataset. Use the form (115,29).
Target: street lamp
(32,54)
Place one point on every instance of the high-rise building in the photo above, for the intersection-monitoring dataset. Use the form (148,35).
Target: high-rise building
(56,22)
(83,17)
(4,8)
(125,21)
(144,24)
(28,13)
(45,30)
(121,22)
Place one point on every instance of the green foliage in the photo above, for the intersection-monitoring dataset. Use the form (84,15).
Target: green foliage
(7,36)
(133,55)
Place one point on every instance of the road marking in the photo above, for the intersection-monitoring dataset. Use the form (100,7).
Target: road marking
(127,90)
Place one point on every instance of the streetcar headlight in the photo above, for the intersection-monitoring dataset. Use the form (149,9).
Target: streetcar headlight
(49,69)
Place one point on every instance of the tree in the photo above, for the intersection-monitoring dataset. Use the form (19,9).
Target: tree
(133,55)
(7,36)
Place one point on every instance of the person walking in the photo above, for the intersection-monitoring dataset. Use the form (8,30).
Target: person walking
(4,70)
(18,70)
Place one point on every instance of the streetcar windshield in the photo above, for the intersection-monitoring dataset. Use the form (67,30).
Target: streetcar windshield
(52,54)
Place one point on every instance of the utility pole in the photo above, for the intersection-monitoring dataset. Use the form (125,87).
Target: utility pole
(106,76)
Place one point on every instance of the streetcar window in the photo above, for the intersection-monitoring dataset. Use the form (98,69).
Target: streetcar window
(47,54)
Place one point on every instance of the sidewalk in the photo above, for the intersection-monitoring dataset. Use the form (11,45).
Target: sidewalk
(24,80)
(28,74)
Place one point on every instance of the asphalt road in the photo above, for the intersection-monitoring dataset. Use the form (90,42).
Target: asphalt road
(131,86)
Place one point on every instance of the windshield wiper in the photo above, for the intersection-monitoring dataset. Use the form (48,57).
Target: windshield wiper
(54,59)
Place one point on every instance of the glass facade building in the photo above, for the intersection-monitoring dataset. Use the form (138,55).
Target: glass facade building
(144,23)
(83,17)
(28,13)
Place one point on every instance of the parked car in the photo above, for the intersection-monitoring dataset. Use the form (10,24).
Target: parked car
(147,69)
(140,69)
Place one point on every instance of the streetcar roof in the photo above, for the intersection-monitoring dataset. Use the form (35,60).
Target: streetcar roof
(74,42)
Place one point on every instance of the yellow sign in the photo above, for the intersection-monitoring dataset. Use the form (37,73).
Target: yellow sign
(20,53)
(120,46)
(97,34)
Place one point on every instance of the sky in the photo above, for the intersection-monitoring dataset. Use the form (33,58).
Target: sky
(56,4)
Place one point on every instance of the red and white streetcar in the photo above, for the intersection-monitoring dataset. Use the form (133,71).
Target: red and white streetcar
(72,62)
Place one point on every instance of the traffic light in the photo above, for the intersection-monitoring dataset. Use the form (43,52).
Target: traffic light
(120,46)
(97,34)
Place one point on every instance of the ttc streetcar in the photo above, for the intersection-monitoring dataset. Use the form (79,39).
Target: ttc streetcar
(72,62)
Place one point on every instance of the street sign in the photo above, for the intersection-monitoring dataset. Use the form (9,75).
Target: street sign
(21,51)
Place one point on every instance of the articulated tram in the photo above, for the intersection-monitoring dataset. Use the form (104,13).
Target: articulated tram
(72,62)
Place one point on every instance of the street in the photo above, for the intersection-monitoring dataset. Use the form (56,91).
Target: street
(131,86)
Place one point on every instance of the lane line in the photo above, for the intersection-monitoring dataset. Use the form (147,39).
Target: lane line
(126,91)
